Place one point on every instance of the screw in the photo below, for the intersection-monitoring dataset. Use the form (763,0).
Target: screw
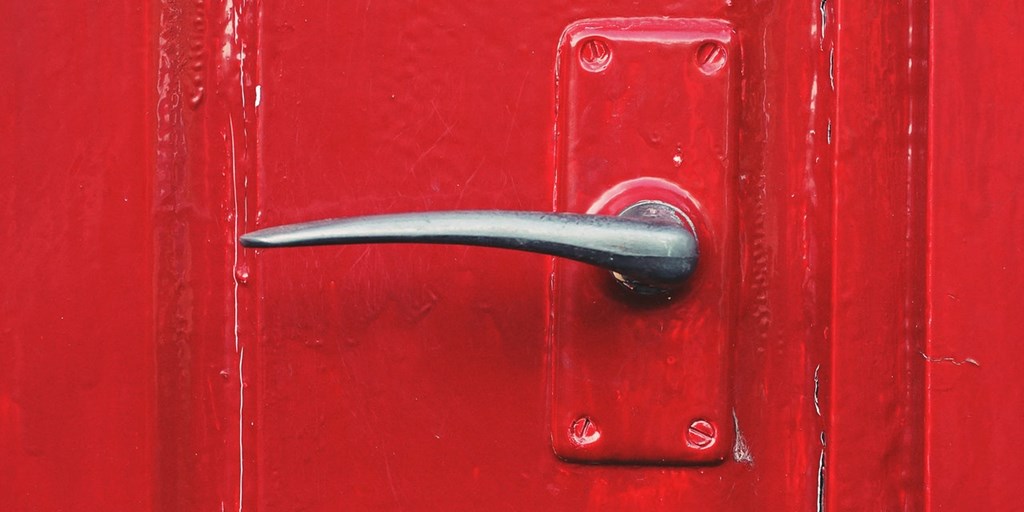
(583,432)
(595,55)
(701,434)
(711,57)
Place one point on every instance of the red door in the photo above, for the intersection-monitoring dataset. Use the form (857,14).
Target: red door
(846,343)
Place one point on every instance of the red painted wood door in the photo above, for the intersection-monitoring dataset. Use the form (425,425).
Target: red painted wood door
(148,362)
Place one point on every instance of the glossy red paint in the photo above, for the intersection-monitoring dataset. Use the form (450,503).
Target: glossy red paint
(205,148)
(415,377)
(874,401)
(655,123)
(77,405)
(150,363)
(975,399)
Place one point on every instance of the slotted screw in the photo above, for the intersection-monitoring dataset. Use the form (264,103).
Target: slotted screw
(701,434)
(595,54)
(711,57)
(584,431)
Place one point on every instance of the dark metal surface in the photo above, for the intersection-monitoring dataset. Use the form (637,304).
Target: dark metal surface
(653,251)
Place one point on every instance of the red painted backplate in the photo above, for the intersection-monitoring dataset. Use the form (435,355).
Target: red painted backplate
(646,111)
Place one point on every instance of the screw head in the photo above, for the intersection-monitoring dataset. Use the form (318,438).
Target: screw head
(711,57)
(595,54)
(701,434)
(583,431)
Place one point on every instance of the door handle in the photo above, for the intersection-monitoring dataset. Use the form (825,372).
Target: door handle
(650,246)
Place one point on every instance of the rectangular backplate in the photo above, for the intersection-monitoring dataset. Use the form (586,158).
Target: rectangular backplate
(646,111)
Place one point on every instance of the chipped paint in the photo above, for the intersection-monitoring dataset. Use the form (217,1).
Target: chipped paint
(740,450)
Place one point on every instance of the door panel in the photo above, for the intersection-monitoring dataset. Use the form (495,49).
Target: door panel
(416,377)
(148,362)
(975,398)
(76,351)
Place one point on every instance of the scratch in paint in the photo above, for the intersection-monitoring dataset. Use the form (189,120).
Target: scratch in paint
(969,360)
(235,52)
(821,476)
(817,384)
(241,459)
(238,349)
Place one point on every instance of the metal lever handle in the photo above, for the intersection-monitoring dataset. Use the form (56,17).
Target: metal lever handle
(650,244)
